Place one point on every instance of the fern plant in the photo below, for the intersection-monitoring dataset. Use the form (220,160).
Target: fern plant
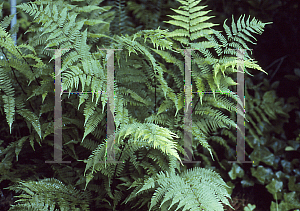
(148,142)
(46,194)
(198,189)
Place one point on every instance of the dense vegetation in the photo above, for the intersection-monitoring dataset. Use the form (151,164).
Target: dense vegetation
(149,110)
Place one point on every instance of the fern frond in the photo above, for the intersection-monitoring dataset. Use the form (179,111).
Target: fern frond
(33,119)
(9,109)
(47,193)
(193,20)
(186,191)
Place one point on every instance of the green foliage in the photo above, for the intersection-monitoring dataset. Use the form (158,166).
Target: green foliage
(192,19)
(195,189)
(250,207)
(47,194)
(144,138)
(276,160)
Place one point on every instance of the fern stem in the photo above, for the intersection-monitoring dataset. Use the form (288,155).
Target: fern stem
(18,80)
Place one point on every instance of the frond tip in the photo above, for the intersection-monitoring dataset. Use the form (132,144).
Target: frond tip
(192,19)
